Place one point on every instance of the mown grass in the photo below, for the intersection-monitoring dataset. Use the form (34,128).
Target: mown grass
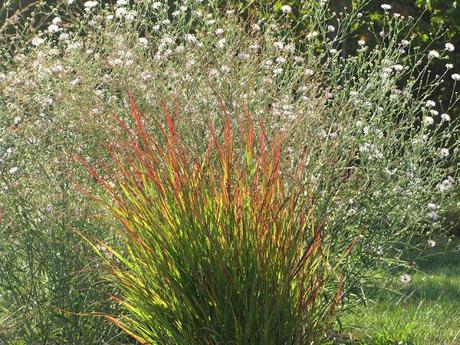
(426,311)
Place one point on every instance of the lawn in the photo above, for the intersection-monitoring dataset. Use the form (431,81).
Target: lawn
(426,312)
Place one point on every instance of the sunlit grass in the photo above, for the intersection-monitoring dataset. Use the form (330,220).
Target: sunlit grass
(427,313)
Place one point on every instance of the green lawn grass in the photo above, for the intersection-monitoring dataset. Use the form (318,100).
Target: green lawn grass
(426,311)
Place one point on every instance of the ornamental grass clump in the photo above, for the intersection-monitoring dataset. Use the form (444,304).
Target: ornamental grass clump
(218,250)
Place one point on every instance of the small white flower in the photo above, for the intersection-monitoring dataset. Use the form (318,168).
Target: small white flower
(309,72)
(221,43)
(281,59)
(398,68)
(13,170)
(432,206)
(17,120)
(244,56)
(219,31)
(225,69)
(213,73)
(434,112)
(57,20)
(430,104)
(122,2)
(405,43)
(455,76)
(361,43)
(444,153)
(405,278)
(90,4)
(450,47)
(156,5)
(146,75)
(428,120)
(431,243)
(64,37)
(278,45)
(190,38)
(286,9)
(333,51)
(312,35)
(449,66)
(36,41)
(53,28)
(143,41)
(121,12)
(331,28)
(445,117)
(434,54)
(70,2)
(277,71)
(256,27)
(386,7)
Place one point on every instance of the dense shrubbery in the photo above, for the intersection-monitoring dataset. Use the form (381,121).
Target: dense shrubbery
(375,150)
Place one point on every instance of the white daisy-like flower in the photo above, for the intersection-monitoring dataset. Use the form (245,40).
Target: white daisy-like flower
(156,5)
(57,20)
(430,103)
(277,71)
(309,72)
(433,215)
(225,69)
(213,73)
(286,9)
(449,66)
(428,120)
(444,153)
(146,75)
(143,41)
(53,28)
(278,45)
(432,206)
(312,35)
(450,47)
(398,68)
(219,31)
(13,170)
(405,43)
(386,7)
(455,77)
(431,243)
(361,43)
(434,112)
(90,4)
(405,278)
(434,54)
(331,28)
(17,120)
(122,2)
(36,41)
(221,43)
(121,12)
(190,38)
(445,117)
